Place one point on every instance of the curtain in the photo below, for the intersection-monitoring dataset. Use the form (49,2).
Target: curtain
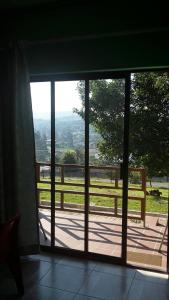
(17,151)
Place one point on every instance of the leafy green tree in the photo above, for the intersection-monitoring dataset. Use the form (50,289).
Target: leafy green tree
(80,155)
(42,154)
(57,158)
(69,157)
(149,119)
(106,115)
(149,129)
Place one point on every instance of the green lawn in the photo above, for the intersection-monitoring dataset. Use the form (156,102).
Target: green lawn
(153,203)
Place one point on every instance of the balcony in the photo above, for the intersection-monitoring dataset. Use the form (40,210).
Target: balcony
(146,215)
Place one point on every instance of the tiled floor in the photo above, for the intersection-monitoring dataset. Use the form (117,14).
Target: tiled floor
(105,235)
(50,277)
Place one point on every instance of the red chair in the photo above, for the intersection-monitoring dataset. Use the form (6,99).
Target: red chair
(9,252)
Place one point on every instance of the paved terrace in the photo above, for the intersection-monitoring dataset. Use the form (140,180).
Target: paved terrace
(105,236)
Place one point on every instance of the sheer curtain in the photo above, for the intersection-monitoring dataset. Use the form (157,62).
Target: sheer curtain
(17,151)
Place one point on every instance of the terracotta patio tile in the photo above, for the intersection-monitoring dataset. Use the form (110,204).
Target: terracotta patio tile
(105,234)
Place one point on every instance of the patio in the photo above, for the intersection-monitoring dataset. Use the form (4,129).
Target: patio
(105,236)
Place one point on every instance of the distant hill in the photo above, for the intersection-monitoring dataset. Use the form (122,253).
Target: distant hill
(61,114)
(70,130)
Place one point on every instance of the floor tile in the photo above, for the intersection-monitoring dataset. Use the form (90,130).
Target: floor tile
(45,256)
(106,286)
(78,263)
(82,297)
(144,290)
(65,278)
(33,271)
(45,293)
(152,277)
(114,269)
(70,278)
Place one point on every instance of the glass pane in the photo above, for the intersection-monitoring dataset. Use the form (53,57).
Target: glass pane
(69,148)
(40,92)
(148,171)
(107,99)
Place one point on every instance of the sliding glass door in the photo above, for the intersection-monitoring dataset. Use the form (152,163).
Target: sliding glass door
(94,188)
(69,166)
(41,106)
(106,150)
(80,184)
(147,231)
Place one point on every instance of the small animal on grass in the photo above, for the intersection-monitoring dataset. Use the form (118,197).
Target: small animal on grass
(155,193)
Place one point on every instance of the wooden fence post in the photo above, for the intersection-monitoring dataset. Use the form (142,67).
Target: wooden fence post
(143,203)
(62,174)
(62,200)
(37,175)
(37,172)
(115,206)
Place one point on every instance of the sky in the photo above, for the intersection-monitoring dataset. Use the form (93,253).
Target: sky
(66,97)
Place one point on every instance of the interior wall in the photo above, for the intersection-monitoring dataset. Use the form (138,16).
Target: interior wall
(128,52)
(90,36)
(78,18)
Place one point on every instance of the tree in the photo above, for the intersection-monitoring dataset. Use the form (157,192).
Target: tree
(69,157)
(150,122)
(106,115)
(57,158)
(41,147)
(80,155)
(149,119)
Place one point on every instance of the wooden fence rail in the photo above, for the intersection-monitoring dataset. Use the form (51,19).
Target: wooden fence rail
(114,184)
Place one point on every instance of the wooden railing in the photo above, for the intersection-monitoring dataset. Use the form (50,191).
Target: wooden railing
(115,184)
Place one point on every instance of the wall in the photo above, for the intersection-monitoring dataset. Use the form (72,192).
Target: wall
(137,51)
(89,36)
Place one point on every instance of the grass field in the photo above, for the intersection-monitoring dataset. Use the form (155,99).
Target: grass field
(157,204)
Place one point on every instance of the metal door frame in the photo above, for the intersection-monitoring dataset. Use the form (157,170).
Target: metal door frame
(126,75)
